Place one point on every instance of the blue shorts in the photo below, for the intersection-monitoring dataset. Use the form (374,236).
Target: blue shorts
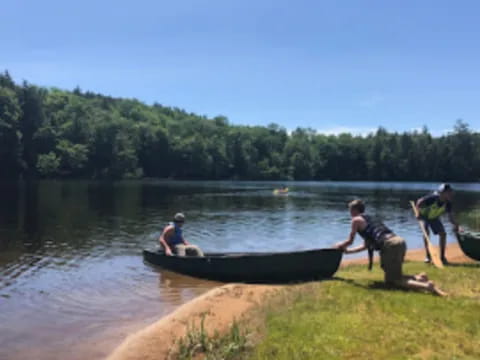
(434,224)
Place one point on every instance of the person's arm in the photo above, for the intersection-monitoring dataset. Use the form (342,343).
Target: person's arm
(344,244)
(356,249)
(456,227)
(185,242)
(418,204)
(168,230)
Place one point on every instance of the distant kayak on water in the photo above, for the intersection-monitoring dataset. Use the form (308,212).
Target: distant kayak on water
(280,191)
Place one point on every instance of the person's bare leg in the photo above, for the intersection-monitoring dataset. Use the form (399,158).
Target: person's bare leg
(428,257)
(429,286)
(443,243)
(180,250)
(195,250)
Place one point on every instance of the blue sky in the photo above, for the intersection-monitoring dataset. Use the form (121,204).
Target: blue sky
(329,65)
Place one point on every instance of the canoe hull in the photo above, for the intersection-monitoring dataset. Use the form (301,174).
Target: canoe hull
(253,267)
(470,244)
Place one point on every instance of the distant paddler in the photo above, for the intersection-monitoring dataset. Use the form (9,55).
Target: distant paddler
(282,190)
(429,210)
(173,242)
(377,236)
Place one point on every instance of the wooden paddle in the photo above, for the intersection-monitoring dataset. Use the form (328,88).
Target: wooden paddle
(433,252)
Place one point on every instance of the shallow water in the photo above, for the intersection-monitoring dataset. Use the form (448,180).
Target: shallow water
(72,279)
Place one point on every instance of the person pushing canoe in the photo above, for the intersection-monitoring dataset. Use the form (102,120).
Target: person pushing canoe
(173,242)
(430,208)
(392,248)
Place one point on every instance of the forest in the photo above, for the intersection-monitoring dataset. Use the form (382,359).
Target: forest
(53,133)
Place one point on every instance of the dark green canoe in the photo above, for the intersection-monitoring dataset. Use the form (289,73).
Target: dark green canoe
(470,244)
(253,267)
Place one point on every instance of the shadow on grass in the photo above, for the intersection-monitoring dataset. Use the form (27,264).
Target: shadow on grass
(465,265)
(374,285)
(306,280)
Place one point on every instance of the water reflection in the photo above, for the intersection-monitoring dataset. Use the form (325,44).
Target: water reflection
(178,289)
(71,250)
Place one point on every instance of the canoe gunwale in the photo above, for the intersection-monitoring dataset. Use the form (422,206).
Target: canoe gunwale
(247,254)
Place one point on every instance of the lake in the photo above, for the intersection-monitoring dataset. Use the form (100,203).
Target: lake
(72,279)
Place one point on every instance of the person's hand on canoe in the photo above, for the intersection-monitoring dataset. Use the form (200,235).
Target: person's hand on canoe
(168,251)
(340,246)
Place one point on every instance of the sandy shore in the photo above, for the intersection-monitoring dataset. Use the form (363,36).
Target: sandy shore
(220,307)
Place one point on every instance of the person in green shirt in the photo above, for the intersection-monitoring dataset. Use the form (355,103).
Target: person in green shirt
(430,208)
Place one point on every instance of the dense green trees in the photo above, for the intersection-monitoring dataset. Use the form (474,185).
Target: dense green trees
(10,135)
(56,133)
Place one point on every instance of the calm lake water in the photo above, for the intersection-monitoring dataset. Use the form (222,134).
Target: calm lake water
(72,279)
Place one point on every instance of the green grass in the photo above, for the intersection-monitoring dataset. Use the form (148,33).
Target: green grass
(356,317)
(198,344)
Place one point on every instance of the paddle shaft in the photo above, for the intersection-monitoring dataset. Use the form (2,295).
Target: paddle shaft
(433,252)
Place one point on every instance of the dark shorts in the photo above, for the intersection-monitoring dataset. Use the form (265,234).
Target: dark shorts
(435,225)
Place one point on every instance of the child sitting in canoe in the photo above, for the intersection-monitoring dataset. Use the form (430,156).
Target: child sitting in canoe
(173,242)
(392,249)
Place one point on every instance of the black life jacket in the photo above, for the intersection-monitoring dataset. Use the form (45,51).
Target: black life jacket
(374,236)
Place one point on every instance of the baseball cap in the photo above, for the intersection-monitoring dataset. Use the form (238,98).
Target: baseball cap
(444,187)
(179,217)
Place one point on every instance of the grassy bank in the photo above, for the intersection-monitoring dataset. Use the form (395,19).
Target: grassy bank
(199,344)
(356,317)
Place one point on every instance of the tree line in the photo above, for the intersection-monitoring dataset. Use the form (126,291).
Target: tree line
(48,132)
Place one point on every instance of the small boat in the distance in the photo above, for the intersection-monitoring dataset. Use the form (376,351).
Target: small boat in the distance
(469,243)
(282,191)
(253,267)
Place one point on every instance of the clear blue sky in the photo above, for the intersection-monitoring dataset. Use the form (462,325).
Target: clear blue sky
(328,65)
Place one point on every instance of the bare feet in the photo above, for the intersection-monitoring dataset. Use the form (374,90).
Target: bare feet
(439,291)
(434,289)
(422,277)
